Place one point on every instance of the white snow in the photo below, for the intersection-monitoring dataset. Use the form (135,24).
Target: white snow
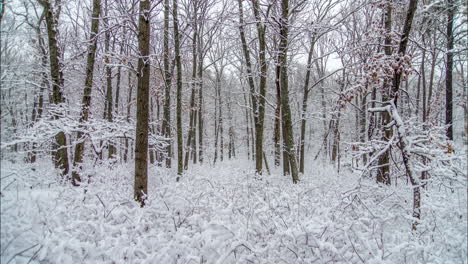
(224,215)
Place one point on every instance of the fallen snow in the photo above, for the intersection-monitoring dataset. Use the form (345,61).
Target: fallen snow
(224,215)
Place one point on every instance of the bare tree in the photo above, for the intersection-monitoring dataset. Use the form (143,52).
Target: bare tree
(60,152)
(288,137)
(166,122)
(449,70)
(86,101)
(143,73)
(179,90)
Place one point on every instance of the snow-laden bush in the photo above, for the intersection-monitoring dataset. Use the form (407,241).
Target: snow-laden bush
(224,215)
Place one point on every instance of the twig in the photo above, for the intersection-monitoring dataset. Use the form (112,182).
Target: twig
(35,254)
(19,253)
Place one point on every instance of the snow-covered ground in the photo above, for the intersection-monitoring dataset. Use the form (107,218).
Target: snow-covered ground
(224,214)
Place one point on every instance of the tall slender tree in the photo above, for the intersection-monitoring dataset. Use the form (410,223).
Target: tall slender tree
(180,144)
(86,101)
(143,73)
(262,86)
(108,110)
(166,127)
(383,173)
(192,123)
(285,108)
(60,152)
(449,70)
(257,98)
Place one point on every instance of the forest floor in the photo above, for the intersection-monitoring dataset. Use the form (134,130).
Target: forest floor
(223,214)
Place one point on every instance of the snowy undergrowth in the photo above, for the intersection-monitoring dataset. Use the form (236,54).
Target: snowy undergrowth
(224,215)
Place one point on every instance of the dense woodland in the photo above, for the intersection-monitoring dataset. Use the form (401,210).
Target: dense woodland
(371,94)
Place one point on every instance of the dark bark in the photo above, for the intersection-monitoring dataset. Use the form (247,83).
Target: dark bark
(143,72)
(277,129)
(166,122)
(394,98)
(305,98)
(247,129)
(86,101)
(449,70)
(108,115)
(39,107)
(431,76)
(200,99)
(220,123)
(253,94)
(129,105)
(285,109)
(192,129)
(259,125)
(383,173)
(179,91)
(362,120)
(60,149)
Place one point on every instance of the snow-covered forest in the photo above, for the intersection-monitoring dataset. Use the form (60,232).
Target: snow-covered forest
(234,131)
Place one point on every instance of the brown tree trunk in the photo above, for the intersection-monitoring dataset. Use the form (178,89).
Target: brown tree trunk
(179,91)
(383,173)
(117,89)
(305,98)
(129,105)
(259,125)
(285,109)
(449,71)
(38,110)
(86,101)
(200,99)
(394,99)
(143,71)
(166,122)
(220,124)
(192,132)
(60,152)
(247,128)
(253,94)
(108,115)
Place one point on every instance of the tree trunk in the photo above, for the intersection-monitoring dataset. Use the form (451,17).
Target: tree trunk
(286,111)
(191,134)
(431,76)
(152,130)
(200,100)
(398,122)
(383,173)
(247,128)
(418,95)
(143,71)
(60,152)
(262,88)
(108,115)
(179,91)
(117,87)
(277,135)
(216,130)
(449,71)
(253,94)
(362,120)
(44,82)
(286,166)
(166,122)
(86,101)
(324,117)
(305,98)
(220,124)
(129,101)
